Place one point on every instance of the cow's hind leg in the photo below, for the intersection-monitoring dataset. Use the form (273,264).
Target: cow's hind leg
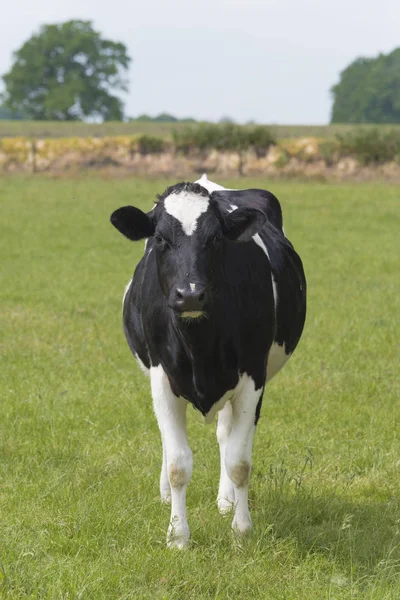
(171,417)
(239,449)
(226,494)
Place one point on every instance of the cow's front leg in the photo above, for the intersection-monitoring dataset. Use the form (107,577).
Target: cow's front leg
(171,416)
(165,488)
(239,449)
(226,494)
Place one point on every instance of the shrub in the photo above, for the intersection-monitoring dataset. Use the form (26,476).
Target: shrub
(283,159)
(149,144)
(370,146)
(329,151)
(261,138)
(224,137)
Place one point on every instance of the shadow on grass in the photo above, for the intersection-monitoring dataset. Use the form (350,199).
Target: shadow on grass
(360,534)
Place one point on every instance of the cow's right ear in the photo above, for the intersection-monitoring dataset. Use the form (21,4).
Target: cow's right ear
(133,223)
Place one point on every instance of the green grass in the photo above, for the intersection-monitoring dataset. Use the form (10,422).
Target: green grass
(43,129)
(80,452)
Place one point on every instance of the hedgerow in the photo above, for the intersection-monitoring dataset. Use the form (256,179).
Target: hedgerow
(224,137)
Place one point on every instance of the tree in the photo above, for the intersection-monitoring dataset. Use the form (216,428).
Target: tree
(65,73)
(7,115)
(165,118)
(369,91)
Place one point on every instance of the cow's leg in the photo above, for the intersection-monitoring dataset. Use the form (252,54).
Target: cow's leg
(226,494)
(171,417)
(239,449)
(165,488)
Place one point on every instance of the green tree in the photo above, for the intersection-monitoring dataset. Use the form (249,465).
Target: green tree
(369,91)
(66,73)
(7,115)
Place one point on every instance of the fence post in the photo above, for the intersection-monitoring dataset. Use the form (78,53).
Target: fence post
(33,150)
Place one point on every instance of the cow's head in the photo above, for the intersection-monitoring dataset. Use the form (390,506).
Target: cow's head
(190,232)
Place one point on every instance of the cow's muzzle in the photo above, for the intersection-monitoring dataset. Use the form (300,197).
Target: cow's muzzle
(189,300)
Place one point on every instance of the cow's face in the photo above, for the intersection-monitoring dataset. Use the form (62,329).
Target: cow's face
(190,234)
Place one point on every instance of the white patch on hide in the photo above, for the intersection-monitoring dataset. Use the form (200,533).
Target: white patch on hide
(277,357)
(142,366)
(244,380)
(210,186)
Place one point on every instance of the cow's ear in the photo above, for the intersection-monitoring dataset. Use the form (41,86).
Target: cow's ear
(133,223)
(241,224)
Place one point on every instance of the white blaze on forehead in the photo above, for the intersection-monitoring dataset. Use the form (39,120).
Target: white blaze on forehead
(186,207)
(192,287)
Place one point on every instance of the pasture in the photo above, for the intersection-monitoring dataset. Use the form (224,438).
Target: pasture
(80,451)
(55,129)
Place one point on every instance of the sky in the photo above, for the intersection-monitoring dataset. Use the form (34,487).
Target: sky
(270,61)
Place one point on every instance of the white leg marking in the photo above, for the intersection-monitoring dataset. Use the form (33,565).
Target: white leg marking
(165,488)
(171,416)
(226,494)
(239,449)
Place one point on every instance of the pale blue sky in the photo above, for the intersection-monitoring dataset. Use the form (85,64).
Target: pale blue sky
(271,61)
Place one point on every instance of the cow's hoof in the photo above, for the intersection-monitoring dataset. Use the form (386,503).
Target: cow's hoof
(225,505)
(242,525)
(179,543)
(178,536)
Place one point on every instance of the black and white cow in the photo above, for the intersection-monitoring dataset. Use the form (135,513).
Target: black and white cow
(215,308)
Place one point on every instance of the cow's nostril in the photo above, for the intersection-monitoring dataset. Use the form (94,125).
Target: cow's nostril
(202,296)
(179,295)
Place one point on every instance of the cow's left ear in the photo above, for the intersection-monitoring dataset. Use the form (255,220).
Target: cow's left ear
(133,223)
(241,224)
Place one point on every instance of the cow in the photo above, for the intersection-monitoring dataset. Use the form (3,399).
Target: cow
(215,308)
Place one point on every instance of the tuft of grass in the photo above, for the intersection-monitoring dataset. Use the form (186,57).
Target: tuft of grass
(79,446)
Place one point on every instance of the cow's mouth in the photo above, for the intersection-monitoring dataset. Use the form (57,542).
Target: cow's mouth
(191,314)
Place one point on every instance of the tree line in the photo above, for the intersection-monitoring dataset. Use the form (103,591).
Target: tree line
(369,91)
(69,72)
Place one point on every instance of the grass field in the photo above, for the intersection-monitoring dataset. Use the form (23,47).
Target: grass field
(80,452)
(44,129)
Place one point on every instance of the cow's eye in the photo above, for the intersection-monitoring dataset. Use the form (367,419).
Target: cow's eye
(214,240)
(217,238)
(161,241)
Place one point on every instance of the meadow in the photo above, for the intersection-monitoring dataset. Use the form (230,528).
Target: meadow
(80,452)
(54,129)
